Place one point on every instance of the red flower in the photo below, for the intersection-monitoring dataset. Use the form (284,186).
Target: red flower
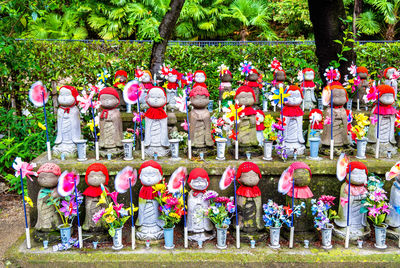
(288,210)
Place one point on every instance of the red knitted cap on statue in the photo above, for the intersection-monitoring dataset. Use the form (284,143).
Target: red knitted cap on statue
(200,71)
(199,90)
(198,172)
(50,168)
(308,70)
(109,91)
(362,69)
(386,70)
(253,71)
(121,73)
(245,89)
(247,167)
(295,88)
(300,165)
(151,163)
(357,165)
(73,90)
(383,89)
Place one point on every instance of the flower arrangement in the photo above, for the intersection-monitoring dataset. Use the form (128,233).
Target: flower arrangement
(322,211)
(114,215)
(66,206)
(375,204)
(280,147)
(129,134)
(361,128)
(219,209)
(219,127)
(270,130)
(276,215)
(171,205)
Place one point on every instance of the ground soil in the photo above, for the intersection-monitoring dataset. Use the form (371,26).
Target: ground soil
(11,221)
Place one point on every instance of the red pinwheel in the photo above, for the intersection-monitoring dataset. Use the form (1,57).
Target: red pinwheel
(175,182)
(227,178)
(122,179)
(36,93)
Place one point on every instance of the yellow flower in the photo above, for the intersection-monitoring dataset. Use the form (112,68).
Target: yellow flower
(134,209)
(109,210)
(41,126)
(110,219)
(102,199)
(225,95)
(28,200)
(160,187)
(174,215)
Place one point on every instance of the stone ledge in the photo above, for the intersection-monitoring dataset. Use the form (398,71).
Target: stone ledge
(18,256)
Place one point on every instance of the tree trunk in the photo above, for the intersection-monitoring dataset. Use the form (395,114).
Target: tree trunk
(389,35)
(166,28)
(324,15)
(356,12)
(54,96)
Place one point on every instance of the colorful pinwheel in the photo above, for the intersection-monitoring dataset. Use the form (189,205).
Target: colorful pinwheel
(230,113)
(245,67)
(86,101)
(275,65)
(103,76)
(353,70)
(181,103)
(23,167)
(331,74)
(279,96)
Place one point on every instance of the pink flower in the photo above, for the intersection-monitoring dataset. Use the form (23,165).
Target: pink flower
(385,209)
(327,199)
(97,216)
(343,201)
(86,101)
(136,117)
(230,207)
(113,196)
(185,125)
(118,208)
(373,120)
(357,81)
(327,120)
(172,201)
(222,199)
(24,168)
(374,211)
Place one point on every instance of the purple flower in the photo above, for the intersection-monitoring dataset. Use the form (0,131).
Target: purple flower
(385,209)
(209,195)
(373,211)
(97,216)
(68,208)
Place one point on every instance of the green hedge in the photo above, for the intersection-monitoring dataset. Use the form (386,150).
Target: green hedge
(81,61)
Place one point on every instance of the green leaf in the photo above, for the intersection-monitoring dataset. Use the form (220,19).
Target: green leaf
(111,231)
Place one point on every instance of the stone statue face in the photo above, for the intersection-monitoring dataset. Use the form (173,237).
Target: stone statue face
(47,179)
(309,76)
(387,99)
(156,98)
(200,101)
(150,176)
(339,97)
(301,177)
(172,78)
(363,75)
(280,76)
(249,178)
(96,178)
(245,98)
(146,78)
(390,72)
(200,78)
(226,78)
(253,77)
(294,99)
(108,101)
(358,176)
(122,79)
(199,184)
(65,97)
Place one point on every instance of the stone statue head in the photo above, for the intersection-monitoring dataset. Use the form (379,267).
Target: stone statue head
(109,98)
(389,72)
(199,97)
(309,74)
(280,75)
(386,94)
(200,77)
(226,77)
(150,173)
(172,78)
(295,98)
(96,174)
(358,176)
(121,79)
(67,96)
(198,179)
(339,96)
(121,76)
(301,177)
(253,75)
(156,97)
(248,174)
(146,77)
(245,96)
(48,175)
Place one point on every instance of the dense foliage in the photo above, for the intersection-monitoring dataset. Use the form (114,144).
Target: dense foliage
(199,19)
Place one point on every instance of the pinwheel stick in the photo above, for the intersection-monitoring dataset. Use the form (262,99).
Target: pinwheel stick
(185,230)
(188,124)
(96,143)
(346,243)
(28,235)
(236,132)
(133,233)
(292,223)
(141,126)
(77,215)
(47,132)
(220,97)
(236,214)
(332,140)
(377,133)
